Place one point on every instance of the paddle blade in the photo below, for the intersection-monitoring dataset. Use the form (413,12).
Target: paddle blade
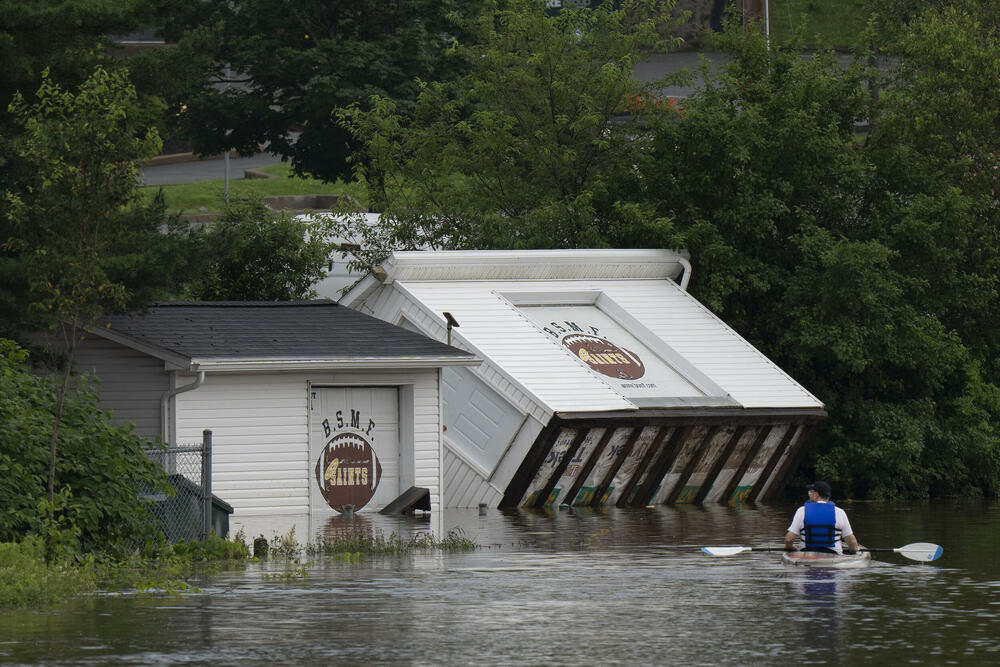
(725,551)
(922,551)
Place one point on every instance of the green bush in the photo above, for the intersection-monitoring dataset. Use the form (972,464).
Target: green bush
(100,467)
(27,580)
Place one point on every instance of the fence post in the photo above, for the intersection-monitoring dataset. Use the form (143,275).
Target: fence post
(206,483)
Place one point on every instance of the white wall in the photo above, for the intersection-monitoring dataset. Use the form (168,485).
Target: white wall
(260,434)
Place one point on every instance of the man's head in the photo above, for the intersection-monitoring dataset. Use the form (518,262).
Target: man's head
(821,489)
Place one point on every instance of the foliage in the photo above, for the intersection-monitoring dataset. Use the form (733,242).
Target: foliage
(271,72)
(65,38)
(863,268)
(526,150)
(76,239)
(76,231)
(27,579)
(97,507)
(214,548)
(253,253)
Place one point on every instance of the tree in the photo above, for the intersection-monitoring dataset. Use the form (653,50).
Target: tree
(78,234)
(98,505)
(276,69)
(68,39)
(818,249)
(252,253)
(532,147)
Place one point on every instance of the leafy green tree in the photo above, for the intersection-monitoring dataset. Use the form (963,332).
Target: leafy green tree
(78,234)
(252,253)
(816,248)
(98,507)
(273,70)
(935,148)
(67,39)
(532,146)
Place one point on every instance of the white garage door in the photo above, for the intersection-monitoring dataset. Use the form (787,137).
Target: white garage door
(353,448)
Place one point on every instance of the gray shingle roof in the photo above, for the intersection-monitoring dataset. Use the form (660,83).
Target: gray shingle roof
(279,329)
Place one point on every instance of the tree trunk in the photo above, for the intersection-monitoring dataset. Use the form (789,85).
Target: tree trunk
(60,401)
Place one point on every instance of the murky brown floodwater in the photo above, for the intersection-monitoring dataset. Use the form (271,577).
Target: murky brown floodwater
(569,587)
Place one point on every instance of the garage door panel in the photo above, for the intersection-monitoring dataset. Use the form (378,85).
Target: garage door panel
(354,447)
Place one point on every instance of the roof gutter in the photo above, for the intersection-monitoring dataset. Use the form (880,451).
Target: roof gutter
(686,275)
(359,363)
(165,402)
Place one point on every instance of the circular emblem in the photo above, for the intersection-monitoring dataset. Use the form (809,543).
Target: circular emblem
(347,471)
(605,357)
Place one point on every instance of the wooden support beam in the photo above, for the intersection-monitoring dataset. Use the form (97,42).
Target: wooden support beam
(623,499)
(748,458)
(717,467)
(692,463)
(560,468)
(609,477)
(588,466)
(663,464)
(772,461)
(793,460)
(526,471)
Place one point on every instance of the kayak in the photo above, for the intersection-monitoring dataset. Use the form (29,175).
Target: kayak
(821,559)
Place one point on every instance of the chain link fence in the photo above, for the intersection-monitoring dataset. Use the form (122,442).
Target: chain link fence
(185,514)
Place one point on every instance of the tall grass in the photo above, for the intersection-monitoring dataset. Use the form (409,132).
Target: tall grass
(26,580)
(824,23)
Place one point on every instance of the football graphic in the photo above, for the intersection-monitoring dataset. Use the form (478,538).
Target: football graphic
(348,471)
(605,357)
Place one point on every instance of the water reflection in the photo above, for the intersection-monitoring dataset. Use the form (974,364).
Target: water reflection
(565,587)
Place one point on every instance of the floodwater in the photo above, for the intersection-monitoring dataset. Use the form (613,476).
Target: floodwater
(612,586)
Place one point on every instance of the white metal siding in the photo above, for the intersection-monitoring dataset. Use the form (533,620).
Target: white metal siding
(464,486)
(260,433)
(401,308)
(497,331)
(707,342)
(131,382)
(479,420)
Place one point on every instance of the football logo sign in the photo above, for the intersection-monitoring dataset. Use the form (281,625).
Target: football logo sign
(348,471)
(605,357)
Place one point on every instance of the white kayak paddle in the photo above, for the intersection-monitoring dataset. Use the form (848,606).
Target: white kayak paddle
(922,551)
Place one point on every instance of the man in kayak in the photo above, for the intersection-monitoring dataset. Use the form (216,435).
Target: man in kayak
(821,525)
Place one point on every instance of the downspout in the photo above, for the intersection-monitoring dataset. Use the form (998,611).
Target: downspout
(686,276)
(170,393)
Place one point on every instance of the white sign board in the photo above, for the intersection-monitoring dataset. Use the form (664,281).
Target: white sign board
(605,346)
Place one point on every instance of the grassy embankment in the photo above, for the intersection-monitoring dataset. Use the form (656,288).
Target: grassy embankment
(825,23)
(207,196)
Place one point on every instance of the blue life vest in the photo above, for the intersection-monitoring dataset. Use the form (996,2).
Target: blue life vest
(819,530)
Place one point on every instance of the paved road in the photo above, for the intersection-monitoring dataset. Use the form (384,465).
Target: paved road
(204,170)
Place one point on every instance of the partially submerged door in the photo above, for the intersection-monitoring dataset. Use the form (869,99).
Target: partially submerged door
(353,448)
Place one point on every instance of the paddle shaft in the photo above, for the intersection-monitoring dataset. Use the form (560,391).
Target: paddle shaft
(921,551)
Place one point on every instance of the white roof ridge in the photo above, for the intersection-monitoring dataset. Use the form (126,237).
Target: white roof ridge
(607,263)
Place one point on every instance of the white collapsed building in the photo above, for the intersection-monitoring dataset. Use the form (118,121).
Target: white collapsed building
(603,382)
